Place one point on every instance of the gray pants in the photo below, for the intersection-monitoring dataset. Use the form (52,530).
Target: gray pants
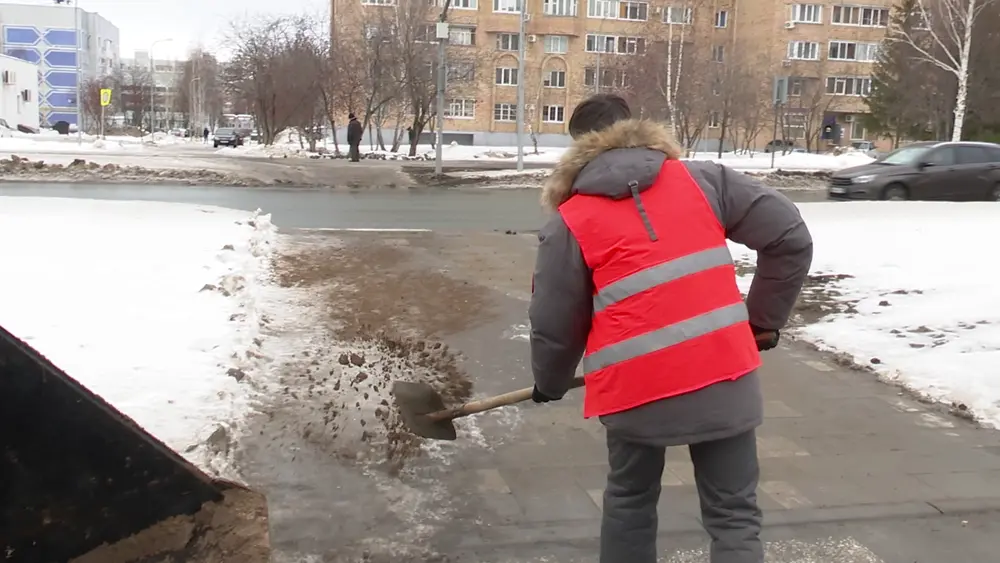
(726,474)
(355,153)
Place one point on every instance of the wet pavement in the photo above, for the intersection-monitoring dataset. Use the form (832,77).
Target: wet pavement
(853,471)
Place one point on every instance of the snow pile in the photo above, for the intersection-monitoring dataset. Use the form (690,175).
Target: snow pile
(67,144)
(921,306)
(153,306)
(796,161)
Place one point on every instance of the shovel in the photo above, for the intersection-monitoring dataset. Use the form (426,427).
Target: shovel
(425,415)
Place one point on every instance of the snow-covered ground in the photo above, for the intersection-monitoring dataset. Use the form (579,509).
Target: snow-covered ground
(153,306)
(924,294)
(50,141)
(288,145)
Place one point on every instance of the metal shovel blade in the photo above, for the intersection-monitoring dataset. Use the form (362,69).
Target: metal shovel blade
(415,401)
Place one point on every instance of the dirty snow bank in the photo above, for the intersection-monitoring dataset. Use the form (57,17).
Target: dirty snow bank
(21,169)
(918,299)
(152,306)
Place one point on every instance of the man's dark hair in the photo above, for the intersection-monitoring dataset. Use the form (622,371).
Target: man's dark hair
(597,112)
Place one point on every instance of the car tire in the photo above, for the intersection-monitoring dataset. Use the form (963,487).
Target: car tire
(994,194)
(895,192)
(216,144)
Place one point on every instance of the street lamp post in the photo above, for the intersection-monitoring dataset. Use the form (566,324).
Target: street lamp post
(152,85)
(195,109)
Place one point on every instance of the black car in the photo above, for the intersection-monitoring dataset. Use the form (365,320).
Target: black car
(228,136)
(779,145)
(943,171)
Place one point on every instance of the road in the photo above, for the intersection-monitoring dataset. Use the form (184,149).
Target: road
(853,471)
(311,208)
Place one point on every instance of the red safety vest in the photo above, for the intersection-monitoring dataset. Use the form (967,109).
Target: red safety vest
(668,316)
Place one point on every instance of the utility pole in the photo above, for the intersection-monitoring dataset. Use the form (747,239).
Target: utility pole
(79,112)
(441,32)
(521,49)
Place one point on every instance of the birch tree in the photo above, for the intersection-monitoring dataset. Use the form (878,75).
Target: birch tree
(945,41)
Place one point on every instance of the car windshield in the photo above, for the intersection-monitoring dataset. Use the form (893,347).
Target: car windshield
(224,132)
(905,155)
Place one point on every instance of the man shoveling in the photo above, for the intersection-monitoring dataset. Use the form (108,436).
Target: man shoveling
(634,276)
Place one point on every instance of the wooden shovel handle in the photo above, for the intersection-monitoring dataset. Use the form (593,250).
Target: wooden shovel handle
(489,403)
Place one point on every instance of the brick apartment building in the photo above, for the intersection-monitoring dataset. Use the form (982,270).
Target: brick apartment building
(825,49)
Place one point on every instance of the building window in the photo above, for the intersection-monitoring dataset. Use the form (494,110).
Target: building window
(552,114)
(632,45)
(556,44)
(610,78)
(601,43)
(465,4)
(633,11)
(795,126)
(461,72)
(560,7)
(508,41)
(554,79)
(379,2)
(504,112)
(858,132)
(803,51)
(460,109)
(713,120)
(860,16)
(848,85)
(721,18)
(850,51)
(807,13)
(602,8)
(458,35)
(677,15)
(719,53)
(507,6)
(795,86)
(506,76)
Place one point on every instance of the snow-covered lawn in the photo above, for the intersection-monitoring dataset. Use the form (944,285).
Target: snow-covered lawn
(152,306)
(924,293)
(289,145)
(51,142)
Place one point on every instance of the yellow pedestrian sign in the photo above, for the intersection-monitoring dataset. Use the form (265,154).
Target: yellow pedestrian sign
(105,97)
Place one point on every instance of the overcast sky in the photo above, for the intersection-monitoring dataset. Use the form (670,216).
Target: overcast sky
(188,22)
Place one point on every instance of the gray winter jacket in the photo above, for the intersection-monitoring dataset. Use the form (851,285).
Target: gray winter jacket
(603,163)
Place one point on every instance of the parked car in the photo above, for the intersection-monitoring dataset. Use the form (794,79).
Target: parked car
(944,171)
(867,147)
(228,136)
(778,145)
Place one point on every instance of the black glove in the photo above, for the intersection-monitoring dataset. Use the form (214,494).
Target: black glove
(539,397)
(766,339)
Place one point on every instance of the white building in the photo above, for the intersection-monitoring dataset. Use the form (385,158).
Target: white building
(167,75)
(46,36)
(18,92)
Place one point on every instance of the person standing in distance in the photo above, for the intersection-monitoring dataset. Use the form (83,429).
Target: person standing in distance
(634,277)
(354,133)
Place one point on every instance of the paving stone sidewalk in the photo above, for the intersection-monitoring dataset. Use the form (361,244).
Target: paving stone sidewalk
(836,446)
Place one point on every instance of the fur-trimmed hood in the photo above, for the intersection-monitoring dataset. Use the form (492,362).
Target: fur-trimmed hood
(605,162)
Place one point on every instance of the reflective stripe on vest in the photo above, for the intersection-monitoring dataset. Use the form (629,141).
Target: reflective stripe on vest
(668,316)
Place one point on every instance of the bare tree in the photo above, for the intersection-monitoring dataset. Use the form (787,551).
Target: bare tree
(90,98)
(130,92)
(945,41)
(200,90)
(270,67)
(808,104)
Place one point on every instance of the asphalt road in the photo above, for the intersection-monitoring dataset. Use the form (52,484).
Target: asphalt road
(451,209)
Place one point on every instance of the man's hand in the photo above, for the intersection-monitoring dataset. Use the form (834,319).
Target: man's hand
(766,339)
(538,397)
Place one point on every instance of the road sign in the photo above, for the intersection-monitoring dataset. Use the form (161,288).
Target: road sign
(105,97)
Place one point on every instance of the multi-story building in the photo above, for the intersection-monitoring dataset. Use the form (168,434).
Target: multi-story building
(166,74)
(826,50)
(573,48)
(47,36)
